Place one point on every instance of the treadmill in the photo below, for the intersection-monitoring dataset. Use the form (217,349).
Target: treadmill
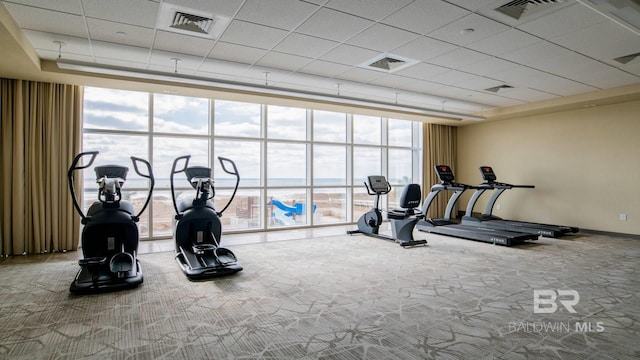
(448,227)
(492,221)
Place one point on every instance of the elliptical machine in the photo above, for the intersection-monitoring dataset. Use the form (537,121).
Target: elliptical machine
(402,220)
(110,233)
(198,229)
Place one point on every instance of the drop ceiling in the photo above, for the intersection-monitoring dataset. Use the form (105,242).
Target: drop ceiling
(462,56)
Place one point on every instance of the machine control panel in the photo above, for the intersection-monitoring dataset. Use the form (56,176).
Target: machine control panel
(378,183)
(487,174)
(445,174)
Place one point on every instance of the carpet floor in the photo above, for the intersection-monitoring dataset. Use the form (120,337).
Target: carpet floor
(342,297)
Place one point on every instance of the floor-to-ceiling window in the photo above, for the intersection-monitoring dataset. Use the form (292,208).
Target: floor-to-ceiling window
(298,167)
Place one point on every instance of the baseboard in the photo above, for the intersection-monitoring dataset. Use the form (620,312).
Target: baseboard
(610,233)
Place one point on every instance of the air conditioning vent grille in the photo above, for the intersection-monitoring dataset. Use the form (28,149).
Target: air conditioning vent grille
(190,22)
(387,63)
(495,89)
(518,8)
(627,58)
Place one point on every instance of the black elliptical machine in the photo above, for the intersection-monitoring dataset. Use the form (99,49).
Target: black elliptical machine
(110,234)
(198,229)
(402,220)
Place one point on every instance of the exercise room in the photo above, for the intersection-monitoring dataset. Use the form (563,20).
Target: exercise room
(319,179)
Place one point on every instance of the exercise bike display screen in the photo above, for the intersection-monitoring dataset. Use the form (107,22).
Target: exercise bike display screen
(378,183)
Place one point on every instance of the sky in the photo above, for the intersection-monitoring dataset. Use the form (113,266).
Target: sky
(240,125)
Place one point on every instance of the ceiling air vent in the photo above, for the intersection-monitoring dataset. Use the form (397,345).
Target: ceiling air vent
(519,8)
(627,58)
(495,89)
(188,21)
(388,63)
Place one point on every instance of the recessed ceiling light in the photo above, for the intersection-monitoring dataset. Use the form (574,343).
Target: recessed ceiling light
(467,31)
(121,33)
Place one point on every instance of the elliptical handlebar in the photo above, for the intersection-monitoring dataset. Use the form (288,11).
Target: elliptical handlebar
(173,172)
(223,161)
(149,176)
(74,167)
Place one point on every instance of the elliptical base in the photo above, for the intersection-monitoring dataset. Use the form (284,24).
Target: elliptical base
(88,282)
(208,265)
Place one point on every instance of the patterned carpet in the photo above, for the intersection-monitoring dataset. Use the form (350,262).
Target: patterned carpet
(341,297)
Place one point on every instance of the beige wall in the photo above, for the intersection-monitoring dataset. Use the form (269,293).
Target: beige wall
(584,163)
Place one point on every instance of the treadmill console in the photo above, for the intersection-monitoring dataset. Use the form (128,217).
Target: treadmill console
(487,174)
(378,184)
(445,174)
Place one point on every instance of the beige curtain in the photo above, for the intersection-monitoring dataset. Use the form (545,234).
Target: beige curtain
(40,133)
(440,148)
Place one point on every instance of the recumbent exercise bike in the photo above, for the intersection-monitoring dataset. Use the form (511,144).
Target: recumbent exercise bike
(402,220)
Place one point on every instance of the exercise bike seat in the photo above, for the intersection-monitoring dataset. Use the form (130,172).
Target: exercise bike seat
(409,200)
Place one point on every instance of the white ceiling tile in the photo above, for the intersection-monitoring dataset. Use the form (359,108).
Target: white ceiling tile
(608,41)
(539,55)
(214,66)
(305,45)
(391,81)
(563,21)
(482,28)
(50,21)
(108,50)
(65,6)
(458,58)
(526,94)
(110,31)
(370,9)
(283,14)
(72,45)
(558,86)
(236,53)
(504,42)
(420,86)
(425,16)
(609,78)
(248,34)
(632,67)
(333,25)
(324,68)
(488,66)
(164,61)
(264,75)
(283,61)
(478,83)
(472,5)
(189,45)
(452,77)
(133,12)
(422,71)
(349,55)
(382,38)
(423,48)
(360,75)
